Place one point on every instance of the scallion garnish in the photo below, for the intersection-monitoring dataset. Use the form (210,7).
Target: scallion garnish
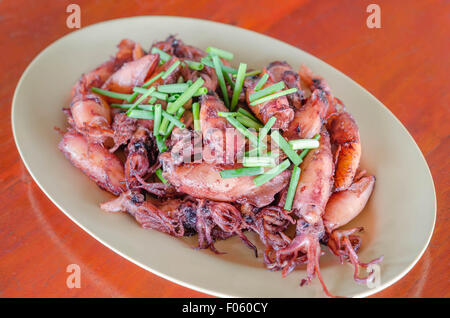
(187,94)
(197,66)
(173,88)
(141,114)
(259,162)
(286,147)
(226,114)
(304,144)
(244,131)
(264,131)
(249,73)
(153,79)
(228,79)
(171,69)
(115,95)
(305,152)
(140,99)
(292,188)
(158,173)
(207,61)
(272,173)
(173,120)
(179,113)
(196,116)
(266,91)
(273,96)
(157,120)
(248,122)
(238,86)
(261,82)
(223,87)
(219,52)
(161,143)
(158,95)
(163,56)
(200,91)
(246,113)
(241,172)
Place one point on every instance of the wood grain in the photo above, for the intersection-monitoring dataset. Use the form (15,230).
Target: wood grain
(404,64)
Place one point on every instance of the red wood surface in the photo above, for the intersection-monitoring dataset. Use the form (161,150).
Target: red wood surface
(405,64)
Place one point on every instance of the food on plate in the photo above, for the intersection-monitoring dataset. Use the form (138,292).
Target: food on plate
(190,145)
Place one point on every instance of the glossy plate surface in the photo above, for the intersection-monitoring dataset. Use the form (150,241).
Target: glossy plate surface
(399,218)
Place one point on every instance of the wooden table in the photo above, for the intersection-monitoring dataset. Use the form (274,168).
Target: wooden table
(405,64)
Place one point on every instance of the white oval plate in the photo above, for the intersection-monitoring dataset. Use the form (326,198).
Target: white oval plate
(399,218)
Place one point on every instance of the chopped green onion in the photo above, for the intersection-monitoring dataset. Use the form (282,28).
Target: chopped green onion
(305,152)
(160,142)
(264,131)
(152,100)
(226,114)
(261,82)
(221,53)
(180,80)
(171,69)
(173,97)
(104,92)
(272,173)
(141,114)
(196,116)
(228,79)
(246,113)
(244,131)
(259,162)
(286,147)
(221,80)
(248,122)
(163,56)
(157,120)
(273,96)
(194,65)
(143,96)
(241,172)
(238,86)
(173,120)
(140,106)
(201,91)
(158,95)
(292,188)
(304,144)
(266,91)
(207,61)
(249,73)
(153,79)
(173,88)
(187,94)
(180,113)
(158,173)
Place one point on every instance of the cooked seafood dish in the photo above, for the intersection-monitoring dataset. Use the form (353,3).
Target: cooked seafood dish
(190,145)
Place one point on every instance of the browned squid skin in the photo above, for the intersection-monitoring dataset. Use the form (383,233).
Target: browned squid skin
(312,194)
(202,180)
(223,142)
(128,51)
(278,107)
(314,187)
(345,137)
(343,207)
(308,118)
(95,161)
(132,74)
(90,115)
(282,71)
